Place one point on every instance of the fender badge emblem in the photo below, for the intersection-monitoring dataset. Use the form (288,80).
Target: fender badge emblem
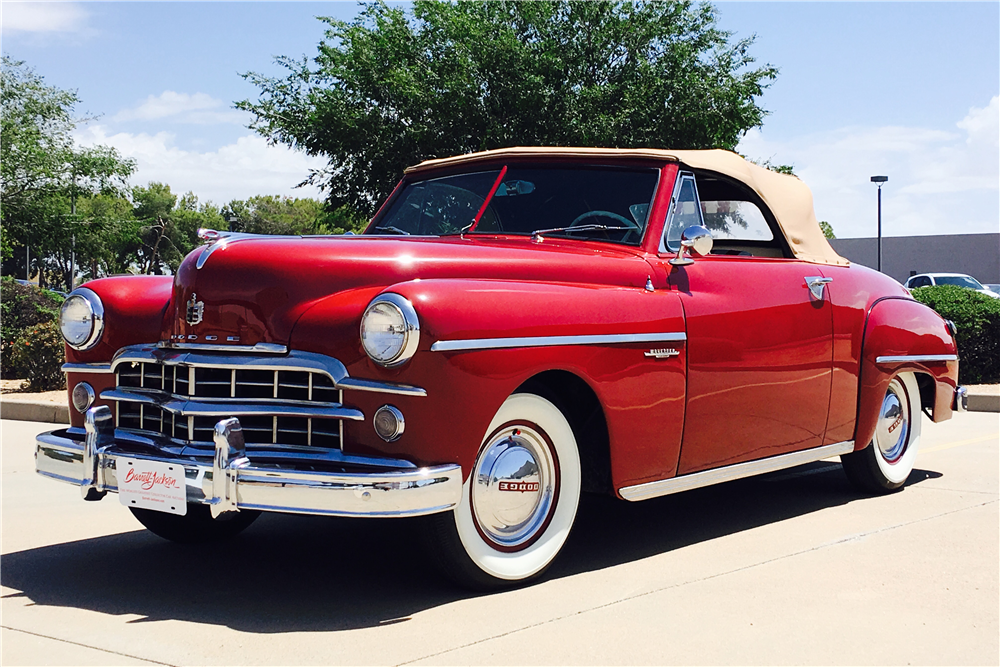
(662,353)
(195,310)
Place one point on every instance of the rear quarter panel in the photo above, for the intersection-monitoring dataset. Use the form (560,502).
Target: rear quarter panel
(875,316)
(903,327)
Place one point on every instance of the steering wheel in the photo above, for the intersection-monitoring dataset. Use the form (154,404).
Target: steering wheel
(632,225)
(604,214)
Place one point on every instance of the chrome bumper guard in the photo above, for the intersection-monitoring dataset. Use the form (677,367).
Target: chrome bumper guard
(961,400)
(231,482)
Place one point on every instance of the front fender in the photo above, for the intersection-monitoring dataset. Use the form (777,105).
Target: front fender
(904,329)
(134,312)
(642,396)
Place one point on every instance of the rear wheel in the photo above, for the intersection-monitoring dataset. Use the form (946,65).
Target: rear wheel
(195,527)
(884,465)
(519,502)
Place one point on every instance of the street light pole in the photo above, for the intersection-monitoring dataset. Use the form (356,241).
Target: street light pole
(879,180)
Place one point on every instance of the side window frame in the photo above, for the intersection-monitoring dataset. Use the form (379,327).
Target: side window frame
(679,182)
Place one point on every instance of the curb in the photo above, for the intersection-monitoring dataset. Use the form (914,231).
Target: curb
(29,411)
(984,403)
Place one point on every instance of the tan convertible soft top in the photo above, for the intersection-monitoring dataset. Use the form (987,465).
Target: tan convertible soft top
(789,199)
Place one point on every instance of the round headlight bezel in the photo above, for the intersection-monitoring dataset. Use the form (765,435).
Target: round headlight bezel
(96,307)
(410,333)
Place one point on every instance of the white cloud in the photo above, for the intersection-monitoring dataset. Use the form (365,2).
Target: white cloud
(940,181)
(44,17)
(239,170)
(197,108)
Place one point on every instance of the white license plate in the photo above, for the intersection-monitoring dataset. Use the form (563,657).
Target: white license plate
(152,485)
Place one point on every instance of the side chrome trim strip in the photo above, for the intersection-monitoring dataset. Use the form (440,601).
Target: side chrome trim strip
(85,368)
(259,348)
(695,480)
(916,358)
(549,341)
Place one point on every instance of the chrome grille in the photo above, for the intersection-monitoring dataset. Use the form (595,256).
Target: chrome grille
(236,384)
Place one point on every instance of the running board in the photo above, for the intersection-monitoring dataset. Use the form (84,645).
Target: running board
(695,480)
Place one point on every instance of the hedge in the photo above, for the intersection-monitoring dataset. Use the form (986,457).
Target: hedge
(977,317)
(30,344)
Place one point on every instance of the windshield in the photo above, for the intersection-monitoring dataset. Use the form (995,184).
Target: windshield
(597,203)
(961,281)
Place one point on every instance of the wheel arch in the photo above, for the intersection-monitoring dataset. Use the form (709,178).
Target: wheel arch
(583,409)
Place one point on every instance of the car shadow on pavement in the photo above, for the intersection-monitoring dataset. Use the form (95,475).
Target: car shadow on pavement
(296,573)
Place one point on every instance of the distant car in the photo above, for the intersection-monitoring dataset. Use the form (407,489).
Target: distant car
(958,279)
(993,287)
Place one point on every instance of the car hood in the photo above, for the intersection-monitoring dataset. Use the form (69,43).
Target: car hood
(249,291)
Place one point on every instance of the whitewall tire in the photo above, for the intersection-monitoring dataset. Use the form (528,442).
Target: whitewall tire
(519,502)
(887,461)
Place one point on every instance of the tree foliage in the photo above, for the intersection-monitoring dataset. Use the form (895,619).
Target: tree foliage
(977,318)
(42,171)
(393,87)
(269,214)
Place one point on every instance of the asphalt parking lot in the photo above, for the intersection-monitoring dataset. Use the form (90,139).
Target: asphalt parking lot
(793,567)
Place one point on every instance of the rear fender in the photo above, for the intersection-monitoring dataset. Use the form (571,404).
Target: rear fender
(901,327)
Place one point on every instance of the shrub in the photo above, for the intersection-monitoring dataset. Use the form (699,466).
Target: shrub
(40,353)
(23,307)
(977,317)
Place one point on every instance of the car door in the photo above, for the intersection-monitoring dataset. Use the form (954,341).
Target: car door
(759,352)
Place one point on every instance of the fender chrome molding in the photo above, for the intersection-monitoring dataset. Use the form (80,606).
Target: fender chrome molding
(917,358)
(85,368)
(696,480)
(550,341)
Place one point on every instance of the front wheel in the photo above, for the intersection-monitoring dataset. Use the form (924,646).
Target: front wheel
(884,465)
(519,502)
(195,527)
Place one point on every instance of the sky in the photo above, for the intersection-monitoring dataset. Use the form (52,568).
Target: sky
(908,90)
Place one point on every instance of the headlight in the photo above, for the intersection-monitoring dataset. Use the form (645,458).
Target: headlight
(81,319)
(390,330)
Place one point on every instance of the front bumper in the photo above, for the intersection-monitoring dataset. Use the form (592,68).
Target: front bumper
(345,486)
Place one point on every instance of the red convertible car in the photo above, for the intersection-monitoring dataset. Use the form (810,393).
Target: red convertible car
(513,328)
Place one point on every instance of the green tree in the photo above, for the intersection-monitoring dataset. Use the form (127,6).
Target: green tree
(42,171)
(270,214)
(168,226)
(393,87)
(827,229)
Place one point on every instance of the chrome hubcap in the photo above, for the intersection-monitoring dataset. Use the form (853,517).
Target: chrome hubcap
(892,430)
(513,487)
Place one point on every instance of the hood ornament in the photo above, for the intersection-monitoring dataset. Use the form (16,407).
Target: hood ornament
(195,310)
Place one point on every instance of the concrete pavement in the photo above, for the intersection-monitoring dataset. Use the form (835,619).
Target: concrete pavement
(793,567)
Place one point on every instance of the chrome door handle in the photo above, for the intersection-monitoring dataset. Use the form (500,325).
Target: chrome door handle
(816,285)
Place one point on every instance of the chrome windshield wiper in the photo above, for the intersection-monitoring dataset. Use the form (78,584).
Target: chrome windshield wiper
(578,228)
(396,230)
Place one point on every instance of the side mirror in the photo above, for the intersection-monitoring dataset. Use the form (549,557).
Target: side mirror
(697,240)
